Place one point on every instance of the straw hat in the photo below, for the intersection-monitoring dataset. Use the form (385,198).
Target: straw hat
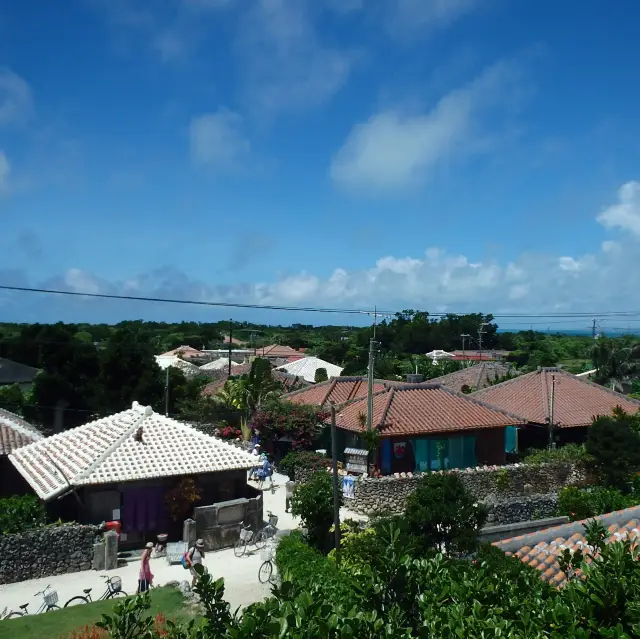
(199,543)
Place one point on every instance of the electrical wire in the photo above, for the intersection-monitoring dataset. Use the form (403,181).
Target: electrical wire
(311,309)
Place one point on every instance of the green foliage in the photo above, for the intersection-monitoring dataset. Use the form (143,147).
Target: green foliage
(20,513)
(502,479)
(301,460)
(321,375)
(582,503)
(313,503)
(441,513)
(568,454)
(12,399)
(615,446)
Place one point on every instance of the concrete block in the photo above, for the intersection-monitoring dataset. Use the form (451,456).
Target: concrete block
(110,550)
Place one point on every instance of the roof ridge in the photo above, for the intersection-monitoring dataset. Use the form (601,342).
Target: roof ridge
(332,385)
(147,412)
(480,371)
(383,419)
(546,399)
(518,378)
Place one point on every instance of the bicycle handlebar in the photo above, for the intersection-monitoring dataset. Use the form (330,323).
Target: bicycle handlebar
(42,591)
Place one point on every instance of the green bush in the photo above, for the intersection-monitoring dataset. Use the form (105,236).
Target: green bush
(442,514)
(20,513)
(569,454)
(582,503)
(301,460)
(307,568)
(313,503)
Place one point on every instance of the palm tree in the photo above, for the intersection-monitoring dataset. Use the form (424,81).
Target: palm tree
(617,365)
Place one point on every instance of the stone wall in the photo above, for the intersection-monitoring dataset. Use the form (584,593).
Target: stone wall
(487,484)
(526,508)
(43,552)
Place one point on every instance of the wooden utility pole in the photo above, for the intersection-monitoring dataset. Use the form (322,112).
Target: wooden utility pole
(230,343)
(336,488)
(166,392)
(552,402)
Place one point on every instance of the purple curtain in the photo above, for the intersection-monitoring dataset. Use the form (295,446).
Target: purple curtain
(143,509)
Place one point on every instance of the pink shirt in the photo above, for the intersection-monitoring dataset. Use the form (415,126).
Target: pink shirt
(145,568)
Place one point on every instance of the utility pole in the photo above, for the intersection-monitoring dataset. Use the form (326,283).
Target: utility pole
(336,492)
(230,343)
(552,402)
(464,337)
(480,334)
(166,392)
(372,357)
(593,328)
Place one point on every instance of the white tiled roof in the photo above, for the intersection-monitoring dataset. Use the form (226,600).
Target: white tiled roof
(15,432)
(218,364)
(106,451)
(307,367)
(189,369)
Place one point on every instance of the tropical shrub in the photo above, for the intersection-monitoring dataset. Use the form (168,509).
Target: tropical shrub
(313,503)
(568,454)
(181,499)
(443,515)
(19,513)
(615,447)
(304,460)
(229,432)
(582,503)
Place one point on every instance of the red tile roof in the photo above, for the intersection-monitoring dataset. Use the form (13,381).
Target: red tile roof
(276,350)
(541,549)
(475,377)
(183,351)
(577,401)
(15,432)
(338,390)
(288,381)
(413,409)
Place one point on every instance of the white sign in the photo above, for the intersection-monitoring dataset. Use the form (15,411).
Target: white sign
(349,487)
(116,514)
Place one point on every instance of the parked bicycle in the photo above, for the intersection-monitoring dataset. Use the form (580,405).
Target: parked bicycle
(114,589)
(268,570)
(258,539)
(49,602)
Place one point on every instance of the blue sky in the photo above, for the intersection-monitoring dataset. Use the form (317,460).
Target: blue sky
(449,155)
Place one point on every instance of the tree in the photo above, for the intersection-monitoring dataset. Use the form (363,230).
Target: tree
(12,399)
(128,373)
(321,375)
(443,515)
(313,503)
(615,446)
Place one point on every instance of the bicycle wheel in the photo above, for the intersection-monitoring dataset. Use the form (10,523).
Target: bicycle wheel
(261,539)
(117,593)
(14,615)
(264,574)
(76,601)
(240,548)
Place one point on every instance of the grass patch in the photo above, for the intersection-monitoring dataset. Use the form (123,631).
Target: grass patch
(60,623)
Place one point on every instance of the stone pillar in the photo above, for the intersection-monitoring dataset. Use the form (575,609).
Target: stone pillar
(98,556)
(189,532)
(110,550)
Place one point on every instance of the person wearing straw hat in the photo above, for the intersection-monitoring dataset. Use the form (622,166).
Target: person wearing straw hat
(195,556)
(145,577)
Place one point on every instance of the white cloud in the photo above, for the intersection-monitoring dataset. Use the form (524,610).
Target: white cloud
(412,15)
(15,98)
(80,281)
(285,65)
(393,151)
(625,214)
(216,139)
(5,169)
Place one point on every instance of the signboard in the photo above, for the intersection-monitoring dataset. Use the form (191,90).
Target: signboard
(399,449)
(349,487)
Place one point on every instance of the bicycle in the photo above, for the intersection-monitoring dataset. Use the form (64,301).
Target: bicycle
(49,603)
(258,539)
(268,568)
(114,589)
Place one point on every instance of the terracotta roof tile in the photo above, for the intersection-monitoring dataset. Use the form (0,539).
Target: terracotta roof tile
(422,409)
(276,350)
(477,376)
(338,390)
(15,432)
(577,400)
(107,451)
(548,544)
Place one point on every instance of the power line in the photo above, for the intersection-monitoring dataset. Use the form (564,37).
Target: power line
(310,309)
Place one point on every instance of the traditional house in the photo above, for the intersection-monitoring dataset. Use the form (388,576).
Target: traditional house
(541,549)
(475,377)
(15,373)
(425,427)
(337,390)
(185,352)
(276,352)
(307,368)
(122,466)
(553,395)
(15,432)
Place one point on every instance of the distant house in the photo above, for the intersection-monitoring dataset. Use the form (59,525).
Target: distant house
(188,369)
(475,377)
(185,352)
(218,365)
(122,466)
(276,352)
(338,390)
(15,432)
(307,367)
(541,549)
(15,373)
(576,401)
(426,426)
(484,355)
